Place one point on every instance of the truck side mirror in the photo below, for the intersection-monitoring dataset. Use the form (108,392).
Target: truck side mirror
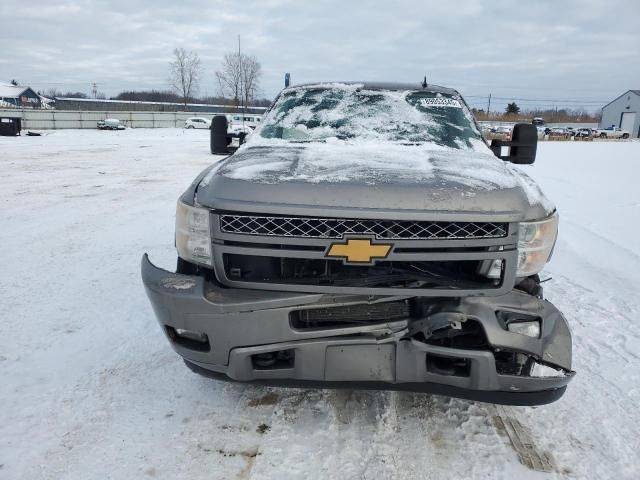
(219,135)
(522,147)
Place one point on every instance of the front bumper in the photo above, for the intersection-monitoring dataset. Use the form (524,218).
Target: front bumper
(241,325)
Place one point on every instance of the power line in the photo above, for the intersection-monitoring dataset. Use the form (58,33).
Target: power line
(536,100)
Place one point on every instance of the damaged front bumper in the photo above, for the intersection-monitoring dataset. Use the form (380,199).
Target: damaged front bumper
(252,336)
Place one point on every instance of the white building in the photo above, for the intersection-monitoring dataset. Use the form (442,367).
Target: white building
(623,112)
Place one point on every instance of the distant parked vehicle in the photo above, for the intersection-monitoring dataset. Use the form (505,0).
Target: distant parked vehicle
(538,121)
(110,124)
(612,132)
(583,132)
(501,132)
(197,122)
(239,128)
(559,132)
(248,120)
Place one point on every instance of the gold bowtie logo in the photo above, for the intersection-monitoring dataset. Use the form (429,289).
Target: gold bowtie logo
(358,251)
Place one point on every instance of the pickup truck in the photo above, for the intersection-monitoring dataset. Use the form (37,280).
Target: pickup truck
(366,236)
(611,132)
(110,124)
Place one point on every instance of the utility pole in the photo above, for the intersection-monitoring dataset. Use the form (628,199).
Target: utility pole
(241,76)
(489,107)
(94,90)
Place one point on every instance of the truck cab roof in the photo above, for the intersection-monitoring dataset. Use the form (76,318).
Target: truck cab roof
(376,85)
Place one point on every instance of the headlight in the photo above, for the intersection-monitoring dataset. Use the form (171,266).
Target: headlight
(535,243)
(193,237)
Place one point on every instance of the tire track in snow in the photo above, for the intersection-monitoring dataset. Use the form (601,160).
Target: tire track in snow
(522,442)
(377,435)
(237,441)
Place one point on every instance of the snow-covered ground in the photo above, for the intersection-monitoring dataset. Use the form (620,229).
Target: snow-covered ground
(90,389)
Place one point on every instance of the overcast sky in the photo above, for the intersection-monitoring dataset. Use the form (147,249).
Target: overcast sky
(583,50)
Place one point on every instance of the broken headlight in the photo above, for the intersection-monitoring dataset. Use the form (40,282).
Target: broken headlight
(535,244)
(193,237)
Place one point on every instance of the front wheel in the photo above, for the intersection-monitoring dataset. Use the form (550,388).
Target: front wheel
(190,126)
(603,135)
(625,136)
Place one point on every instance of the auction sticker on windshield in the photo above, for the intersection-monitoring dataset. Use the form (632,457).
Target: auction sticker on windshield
(439,102)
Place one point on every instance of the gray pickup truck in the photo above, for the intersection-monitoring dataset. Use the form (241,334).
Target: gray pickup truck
(367,236)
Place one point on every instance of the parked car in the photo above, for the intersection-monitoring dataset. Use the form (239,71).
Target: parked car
(333,251)
(583,132)
(612,132)
(248,120)
(538,121)
(197,122)
(503,132)
(111,124)
(559,132)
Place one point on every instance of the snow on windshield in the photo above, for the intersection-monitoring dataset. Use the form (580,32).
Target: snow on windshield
(351,112)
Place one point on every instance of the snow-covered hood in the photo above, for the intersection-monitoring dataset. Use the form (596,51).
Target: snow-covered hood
(380,180)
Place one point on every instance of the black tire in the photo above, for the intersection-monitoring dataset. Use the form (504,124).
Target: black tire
(219,137)
(625,135)
(603,135)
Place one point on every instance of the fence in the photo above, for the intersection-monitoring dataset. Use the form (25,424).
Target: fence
(97,105)
(52,119)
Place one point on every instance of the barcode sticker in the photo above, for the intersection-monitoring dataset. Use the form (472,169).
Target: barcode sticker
(440,102)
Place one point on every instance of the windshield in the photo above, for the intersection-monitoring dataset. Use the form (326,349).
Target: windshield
(347,112)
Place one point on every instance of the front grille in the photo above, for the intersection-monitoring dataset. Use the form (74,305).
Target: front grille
(309,227)
(437,275)
(349,315)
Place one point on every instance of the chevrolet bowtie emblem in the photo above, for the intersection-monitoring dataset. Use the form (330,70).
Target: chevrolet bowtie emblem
(359,250)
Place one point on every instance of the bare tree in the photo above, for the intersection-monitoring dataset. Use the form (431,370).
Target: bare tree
(239,77)
(229,77)
(251,72)
(184,73)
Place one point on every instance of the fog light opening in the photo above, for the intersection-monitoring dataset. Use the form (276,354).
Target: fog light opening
(191,335)
(449,366)
(191,339)
(273,360)
(527,328)
(520,323)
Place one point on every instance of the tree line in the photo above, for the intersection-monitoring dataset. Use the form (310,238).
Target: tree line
(513,112)
(237,81)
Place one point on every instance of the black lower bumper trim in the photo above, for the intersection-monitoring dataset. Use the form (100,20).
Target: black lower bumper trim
(542,397)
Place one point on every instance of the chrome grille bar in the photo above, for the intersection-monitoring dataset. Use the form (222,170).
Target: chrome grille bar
(310,227)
